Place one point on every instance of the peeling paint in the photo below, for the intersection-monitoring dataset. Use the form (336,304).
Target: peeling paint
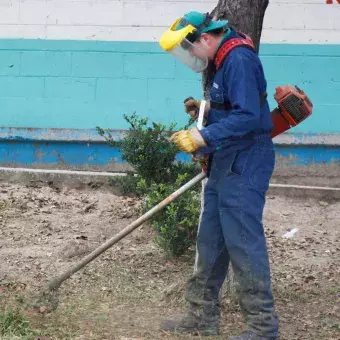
(39,155)
(103,154)
(55,134)
(307,155)
(91,135)
(66,151)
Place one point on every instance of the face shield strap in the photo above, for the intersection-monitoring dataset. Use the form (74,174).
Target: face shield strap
(206,22)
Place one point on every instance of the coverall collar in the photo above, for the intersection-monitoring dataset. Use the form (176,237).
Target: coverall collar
(231,33)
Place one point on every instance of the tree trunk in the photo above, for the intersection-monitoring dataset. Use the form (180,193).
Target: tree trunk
(246,16)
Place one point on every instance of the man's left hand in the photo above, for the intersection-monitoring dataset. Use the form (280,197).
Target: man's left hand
(188,140)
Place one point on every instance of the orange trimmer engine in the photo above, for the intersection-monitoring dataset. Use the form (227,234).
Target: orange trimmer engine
(294,107)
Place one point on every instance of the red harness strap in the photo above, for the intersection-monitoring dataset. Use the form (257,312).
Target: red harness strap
(230,45)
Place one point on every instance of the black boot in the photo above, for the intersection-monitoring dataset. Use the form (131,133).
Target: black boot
(249,336)
(192,324)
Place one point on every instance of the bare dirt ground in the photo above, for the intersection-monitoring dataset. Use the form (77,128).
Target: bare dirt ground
(128,290)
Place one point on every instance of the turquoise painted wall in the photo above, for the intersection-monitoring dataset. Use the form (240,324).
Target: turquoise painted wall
(82,84)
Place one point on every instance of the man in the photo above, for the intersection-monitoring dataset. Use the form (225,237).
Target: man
(241,161)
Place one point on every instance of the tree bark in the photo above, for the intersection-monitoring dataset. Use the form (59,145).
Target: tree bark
(246,16)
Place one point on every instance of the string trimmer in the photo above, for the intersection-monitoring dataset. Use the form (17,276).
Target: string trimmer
(293,108)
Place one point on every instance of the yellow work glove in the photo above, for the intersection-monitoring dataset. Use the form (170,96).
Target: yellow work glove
(188,140)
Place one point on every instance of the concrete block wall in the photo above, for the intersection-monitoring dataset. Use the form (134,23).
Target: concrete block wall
(73,65)
(85,84)
(73,88)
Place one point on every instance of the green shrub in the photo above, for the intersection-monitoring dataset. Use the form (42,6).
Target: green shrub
(127,184)
(158,174)
(147,149)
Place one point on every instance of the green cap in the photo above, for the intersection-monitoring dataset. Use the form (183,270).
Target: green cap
(197,20)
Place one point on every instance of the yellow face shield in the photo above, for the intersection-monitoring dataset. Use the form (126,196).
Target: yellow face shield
(176,43)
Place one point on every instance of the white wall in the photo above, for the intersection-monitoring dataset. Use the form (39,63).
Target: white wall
(286,21)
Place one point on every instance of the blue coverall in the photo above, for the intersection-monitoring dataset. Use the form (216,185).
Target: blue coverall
(242,162)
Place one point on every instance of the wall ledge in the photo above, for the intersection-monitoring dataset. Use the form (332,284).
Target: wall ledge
(91,136)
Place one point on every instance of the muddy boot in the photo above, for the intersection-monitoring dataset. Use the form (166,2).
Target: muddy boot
(191,324)
(249,336)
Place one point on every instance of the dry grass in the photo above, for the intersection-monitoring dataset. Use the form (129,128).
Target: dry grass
(125,296)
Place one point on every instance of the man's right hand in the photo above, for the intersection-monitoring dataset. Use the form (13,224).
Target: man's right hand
(192,107)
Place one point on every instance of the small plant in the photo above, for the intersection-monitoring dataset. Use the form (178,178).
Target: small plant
(3,205)
(157,175)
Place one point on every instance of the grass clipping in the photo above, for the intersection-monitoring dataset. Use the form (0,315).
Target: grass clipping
(43,301)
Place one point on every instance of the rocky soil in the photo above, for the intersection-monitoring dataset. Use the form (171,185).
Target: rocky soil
(126,292)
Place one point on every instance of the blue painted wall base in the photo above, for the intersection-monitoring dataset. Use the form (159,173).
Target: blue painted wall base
(86,149)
